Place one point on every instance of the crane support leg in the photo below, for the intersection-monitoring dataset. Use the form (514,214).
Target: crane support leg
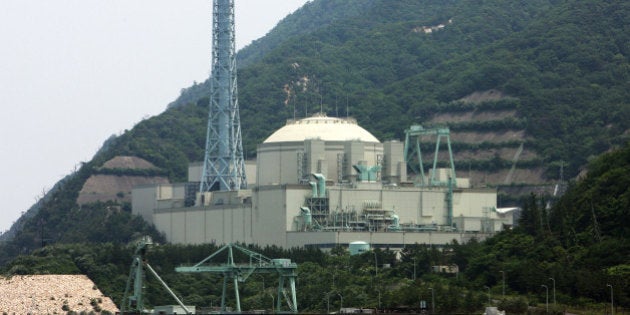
(224,291)
(238,299)
(293,297)
(279,299)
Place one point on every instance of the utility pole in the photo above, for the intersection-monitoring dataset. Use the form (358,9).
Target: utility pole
(546,297)
(414,268)
(503,284)
(375,264)
(554,291)
(489,299)
(432,301)
(612,304)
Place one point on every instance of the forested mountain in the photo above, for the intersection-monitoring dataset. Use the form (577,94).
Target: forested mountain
(577,247)
(527,88)
(312,16)
(560,66)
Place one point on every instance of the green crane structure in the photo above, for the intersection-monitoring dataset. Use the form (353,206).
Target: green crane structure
(239,272)
(413,151)
(135,302)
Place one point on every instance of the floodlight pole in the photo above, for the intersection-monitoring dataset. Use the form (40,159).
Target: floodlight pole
(554,291)
(503,283)
(340,301)
(546,297)
(414,268)
(612,304)
(489,299)
(432,301)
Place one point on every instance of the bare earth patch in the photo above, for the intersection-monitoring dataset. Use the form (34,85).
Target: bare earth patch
(130,162)
(112,187)
(492,137)
(521,176)
(483,96)
(47,294)
(477,116)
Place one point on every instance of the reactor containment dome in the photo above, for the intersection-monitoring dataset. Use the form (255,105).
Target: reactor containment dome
(321,127)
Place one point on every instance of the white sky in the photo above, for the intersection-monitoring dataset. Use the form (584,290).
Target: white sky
(74,72)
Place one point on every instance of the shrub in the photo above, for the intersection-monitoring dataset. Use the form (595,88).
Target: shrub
(513,305)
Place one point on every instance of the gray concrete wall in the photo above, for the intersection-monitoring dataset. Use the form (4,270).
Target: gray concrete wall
(269,216)
(196,225)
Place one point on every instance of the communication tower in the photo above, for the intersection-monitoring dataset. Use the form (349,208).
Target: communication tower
(224,165)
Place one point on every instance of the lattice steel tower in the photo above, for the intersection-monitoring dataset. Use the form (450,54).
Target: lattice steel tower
(224,166)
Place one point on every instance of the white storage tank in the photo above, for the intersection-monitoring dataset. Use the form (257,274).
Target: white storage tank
(359,247)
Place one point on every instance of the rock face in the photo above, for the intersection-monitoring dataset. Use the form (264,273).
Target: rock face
(52,294)
(128,162)
(117,186)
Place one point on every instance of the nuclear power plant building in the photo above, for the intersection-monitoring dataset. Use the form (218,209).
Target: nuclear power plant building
(325,181)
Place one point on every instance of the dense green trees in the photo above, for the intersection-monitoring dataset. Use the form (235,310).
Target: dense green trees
(580,242)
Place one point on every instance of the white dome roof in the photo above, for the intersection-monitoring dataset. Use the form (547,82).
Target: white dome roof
(321,127)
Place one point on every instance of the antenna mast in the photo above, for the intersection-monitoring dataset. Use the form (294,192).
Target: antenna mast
(224,165)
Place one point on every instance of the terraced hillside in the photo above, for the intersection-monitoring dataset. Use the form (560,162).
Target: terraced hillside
(490,144)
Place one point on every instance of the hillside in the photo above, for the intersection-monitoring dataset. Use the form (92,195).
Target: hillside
(312,16)
(560,66)
(527,89)
(116,178)
(580,243)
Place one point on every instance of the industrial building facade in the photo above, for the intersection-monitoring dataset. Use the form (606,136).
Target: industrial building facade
(324,181)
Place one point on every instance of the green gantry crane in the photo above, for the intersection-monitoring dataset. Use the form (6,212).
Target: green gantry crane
(413,152)
(239,272)
(134,303)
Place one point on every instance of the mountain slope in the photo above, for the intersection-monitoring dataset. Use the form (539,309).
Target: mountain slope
(311,17)
(525,87)
(581,243)
(569,90)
